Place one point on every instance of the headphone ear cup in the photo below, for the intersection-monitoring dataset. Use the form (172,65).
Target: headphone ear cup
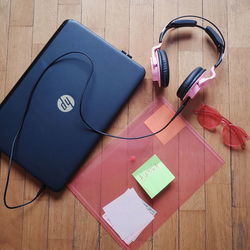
(189,81)
(164,67)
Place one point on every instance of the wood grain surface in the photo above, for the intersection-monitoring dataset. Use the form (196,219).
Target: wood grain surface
(217,216)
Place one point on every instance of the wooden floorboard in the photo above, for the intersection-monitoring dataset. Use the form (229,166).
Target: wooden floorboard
(217,216)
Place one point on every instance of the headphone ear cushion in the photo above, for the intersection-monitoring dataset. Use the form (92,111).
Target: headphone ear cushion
(164,68)
(189,81)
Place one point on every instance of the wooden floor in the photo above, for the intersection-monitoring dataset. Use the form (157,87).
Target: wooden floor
(218,215)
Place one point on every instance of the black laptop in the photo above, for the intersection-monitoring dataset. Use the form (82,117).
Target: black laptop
(54,142)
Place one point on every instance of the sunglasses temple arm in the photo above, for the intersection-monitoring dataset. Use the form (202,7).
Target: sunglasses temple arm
(203,112)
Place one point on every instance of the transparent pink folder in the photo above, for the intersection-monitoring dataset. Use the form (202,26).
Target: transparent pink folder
(109,174)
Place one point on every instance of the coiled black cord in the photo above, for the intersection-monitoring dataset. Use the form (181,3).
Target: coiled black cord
(55,61)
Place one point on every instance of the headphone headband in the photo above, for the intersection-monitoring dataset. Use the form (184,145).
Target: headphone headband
(217,39)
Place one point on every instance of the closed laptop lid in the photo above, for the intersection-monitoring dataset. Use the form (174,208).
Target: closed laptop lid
(54,141)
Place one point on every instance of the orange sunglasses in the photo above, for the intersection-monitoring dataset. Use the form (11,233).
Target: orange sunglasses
(232,136)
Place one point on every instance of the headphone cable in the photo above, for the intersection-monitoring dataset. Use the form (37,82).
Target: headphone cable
(16,137)
(42,188)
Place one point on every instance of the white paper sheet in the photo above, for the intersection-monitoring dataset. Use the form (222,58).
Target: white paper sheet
(128,215)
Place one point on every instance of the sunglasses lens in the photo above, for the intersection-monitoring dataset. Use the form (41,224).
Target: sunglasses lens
(208,120)
(234,136)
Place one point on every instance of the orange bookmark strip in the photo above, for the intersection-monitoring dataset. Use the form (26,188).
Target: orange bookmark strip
(160,118)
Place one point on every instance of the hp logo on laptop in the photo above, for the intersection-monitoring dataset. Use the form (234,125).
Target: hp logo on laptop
(65,103)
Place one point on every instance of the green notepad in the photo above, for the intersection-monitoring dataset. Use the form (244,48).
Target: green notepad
(153,176)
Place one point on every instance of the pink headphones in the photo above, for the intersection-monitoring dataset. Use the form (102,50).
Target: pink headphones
(196,80)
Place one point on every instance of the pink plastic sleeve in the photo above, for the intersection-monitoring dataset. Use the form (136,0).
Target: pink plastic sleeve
(109,173)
